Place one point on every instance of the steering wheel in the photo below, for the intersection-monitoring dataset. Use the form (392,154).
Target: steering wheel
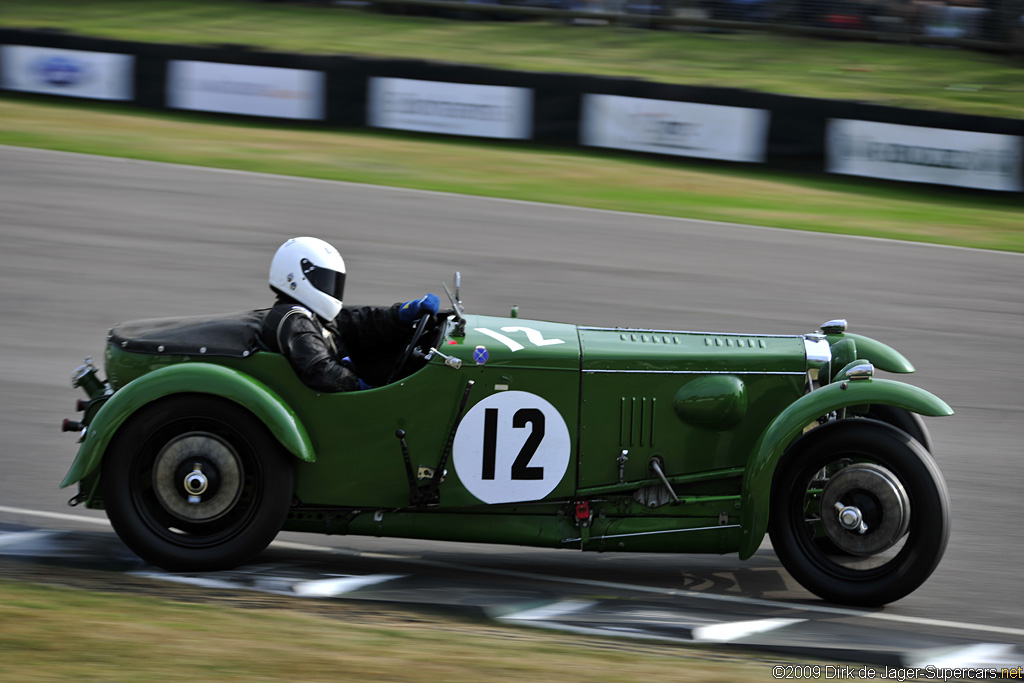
(417,335)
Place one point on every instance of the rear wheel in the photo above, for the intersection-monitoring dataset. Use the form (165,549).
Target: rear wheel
(196,483)
(860,513)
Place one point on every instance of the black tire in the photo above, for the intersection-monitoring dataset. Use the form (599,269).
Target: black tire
(909,509)
(203,442)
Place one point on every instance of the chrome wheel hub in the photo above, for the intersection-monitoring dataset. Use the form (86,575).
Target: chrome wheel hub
(851,519)
(864,509)
(196,484)
(197,477)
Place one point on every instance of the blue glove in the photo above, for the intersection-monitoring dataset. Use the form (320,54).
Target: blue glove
(412,310)
(363,386)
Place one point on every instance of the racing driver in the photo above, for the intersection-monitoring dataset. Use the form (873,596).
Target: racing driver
(328,346)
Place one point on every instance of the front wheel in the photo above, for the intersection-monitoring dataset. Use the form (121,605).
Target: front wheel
(196,483)
(860,513)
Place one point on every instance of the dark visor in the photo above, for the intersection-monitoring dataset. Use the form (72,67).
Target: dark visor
(326,280)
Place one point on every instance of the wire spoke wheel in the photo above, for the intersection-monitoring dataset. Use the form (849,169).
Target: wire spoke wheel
(859,513)
(196,483)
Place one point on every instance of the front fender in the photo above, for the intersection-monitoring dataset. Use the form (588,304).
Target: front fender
(757,478)
(882,356)
(193,378)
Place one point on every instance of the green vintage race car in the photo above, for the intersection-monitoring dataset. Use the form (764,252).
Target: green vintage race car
(201,446)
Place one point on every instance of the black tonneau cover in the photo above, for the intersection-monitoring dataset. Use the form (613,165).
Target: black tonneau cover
(230,334)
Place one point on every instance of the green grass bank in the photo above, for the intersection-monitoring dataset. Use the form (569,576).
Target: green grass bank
(898,75)
(575,177)
(157,632)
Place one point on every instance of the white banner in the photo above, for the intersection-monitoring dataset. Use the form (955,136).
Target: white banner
(487,111)
(244,89)
(707,131)
(73,73)
(925,155)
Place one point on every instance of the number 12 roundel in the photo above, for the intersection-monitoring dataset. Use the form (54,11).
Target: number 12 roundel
(510,447)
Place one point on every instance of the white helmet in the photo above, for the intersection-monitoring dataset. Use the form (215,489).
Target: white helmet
(311,272)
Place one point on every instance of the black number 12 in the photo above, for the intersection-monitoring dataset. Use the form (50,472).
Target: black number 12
(521,469)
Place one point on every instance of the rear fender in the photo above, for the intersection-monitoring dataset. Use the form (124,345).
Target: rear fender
(757,478)
(191,378)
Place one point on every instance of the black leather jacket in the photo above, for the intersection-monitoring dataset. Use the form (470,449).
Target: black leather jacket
(333,356)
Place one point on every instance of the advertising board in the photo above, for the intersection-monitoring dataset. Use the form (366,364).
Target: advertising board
(268,91)
(488,111)
(925,155)
(72,73)
(678,128)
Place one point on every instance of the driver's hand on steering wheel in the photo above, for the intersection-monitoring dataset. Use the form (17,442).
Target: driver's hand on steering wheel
(411,311)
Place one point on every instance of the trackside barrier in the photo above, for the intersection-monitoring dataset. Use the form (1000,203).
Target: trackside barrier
(720,124)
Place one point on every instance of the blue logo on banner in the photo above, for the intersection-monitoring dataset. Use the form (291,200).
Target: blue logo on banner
(480,355)
(61,71)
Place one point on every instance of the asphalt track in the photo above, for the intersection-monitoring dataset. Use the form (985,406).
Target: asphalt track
(90,241)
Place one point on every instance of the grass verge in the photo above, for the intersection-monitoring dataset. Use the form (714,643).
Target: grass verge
(53,632)
(898,75)
(575,177)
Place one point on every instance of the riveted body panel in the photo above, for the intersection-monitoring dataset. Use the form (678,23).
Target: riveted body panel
(636,383)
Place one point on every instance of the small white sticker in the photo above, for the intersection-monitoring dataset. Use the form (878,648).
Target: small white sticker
(511,447)
(512,344)
(535,337)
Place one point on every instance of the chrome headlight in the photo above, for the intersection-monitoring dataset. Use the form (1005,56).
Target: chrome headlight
(837,326)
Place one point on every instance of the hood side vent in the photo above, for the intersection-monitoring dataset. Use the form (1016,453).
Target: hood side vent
(736,342)
(650,338)
(636,421)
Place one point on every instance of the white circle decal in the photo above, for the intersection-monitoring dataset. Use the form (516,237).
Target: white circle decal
(511,447)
